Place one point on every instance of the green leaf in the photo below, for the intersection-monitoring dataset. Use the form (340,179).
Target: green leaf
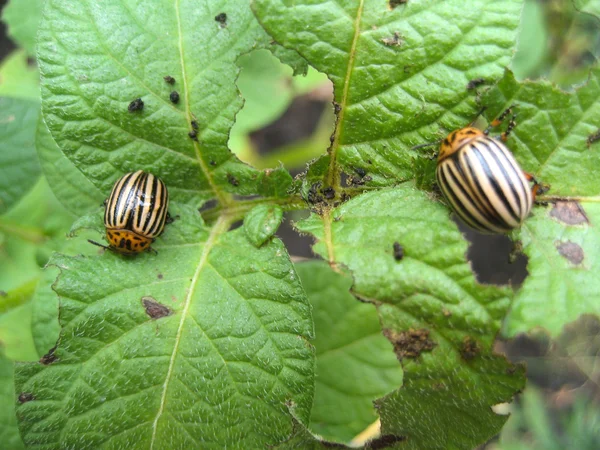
(23,18)
(355,363)
(9,432)
(97,57)
(441,322)
(399,73)
(563,246)
(552,141)
(18,79)
(76,193)
(202,345)
(262,222)
(19,168)
(553,126)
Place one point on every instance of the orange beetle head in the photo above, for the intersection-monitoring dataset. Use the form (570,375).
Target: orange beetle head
(457,139)
(127,242)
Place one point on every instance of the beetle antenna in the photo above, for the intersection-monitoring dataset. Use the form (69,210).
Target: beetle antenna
(99,245)
(481,111)
(429,144)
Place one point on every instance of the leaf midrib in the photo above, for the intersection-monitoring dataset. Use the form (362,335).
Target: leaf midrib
(220,227)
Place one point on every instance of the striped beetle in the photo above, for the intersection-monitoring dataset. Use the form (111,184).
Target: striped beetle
(482,181)
(136,213)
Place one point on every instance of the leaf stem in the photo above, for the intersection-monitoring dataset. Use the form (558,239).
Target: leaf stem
(238,209)
(31,234)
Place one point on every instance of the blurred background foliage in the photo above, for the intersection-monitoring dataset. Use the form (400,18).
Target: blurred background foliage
(288,120)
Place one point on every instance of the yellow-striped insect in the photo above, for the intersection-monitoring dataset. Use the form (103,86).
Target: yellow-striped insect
(482,181)
(136,212)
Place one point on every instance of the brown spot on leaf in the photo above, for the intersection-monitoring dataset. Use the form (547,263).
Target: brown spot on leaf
(470,348)
(160,276)
(154,309)
(398,251)
(571,251)
(25,397)
(394,41)
(411,343)
(49,357)
(569,212)
(472,84)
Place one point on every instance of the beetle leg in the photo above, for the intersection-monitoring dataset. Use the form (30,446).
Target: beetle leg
(537,188)
(494,123)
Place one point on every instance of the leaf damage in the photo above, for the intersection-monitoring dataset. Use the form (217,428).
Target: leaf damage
(570,251)
(410,343)
(154,309)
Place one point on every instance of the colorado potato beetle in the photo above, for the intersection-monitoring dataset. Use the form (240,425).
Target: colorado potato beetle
(482,181)
(136,212)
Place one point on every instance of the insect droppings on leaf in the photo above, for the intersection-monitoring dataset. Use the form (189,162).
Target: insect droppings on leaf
(394,41)
(193,135)
(160,276)
(569,212)
(212,162)
(232,180)
(394,3)
(222,19)
(136,105)
(469,349)
(474,83)
(49,357)
(25,397)
(194,124)
(570,251)
(174,97)
(329,193)
(398,251)
(154,309)
(411,343)
(594,137)
(169,79)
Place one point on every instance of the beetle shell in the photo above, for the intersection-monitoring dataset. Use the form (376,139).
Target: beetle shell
(483,182)
(136,212)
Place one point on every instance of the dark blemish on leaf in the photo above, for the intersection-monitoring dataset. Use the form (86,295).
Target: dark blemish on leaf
(169,79)
(336,108)
(398,251)
(571,251)
(193,135)
(313,193)
(384,441)
(212,163)
(232,180)
(136,105)
(470,349)
(174,97)
(49,357)
(194,124)
(160,276)
(394,41)
(222,19)
(569,212)
(394,3)
(25,397)
(369,161)
(474,83)
(360,171)
(411,343)
(31,62)
(3,294)
(594,137)
(517,249)
(329,193)
(406,68)
(154,309)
